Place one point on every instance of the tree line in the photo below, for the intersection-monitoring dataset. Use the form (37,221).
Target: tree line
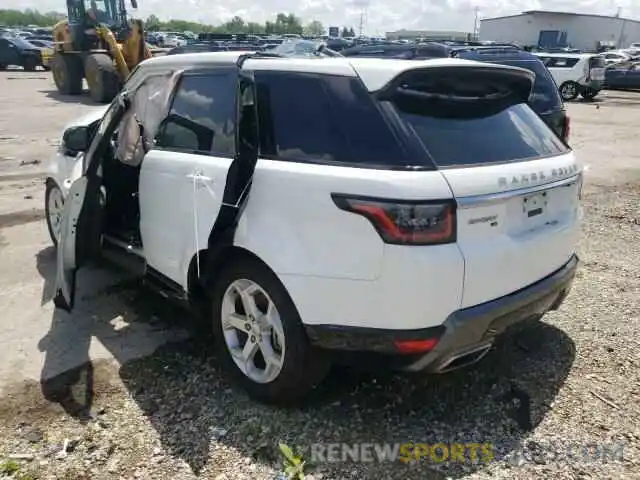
(283,23)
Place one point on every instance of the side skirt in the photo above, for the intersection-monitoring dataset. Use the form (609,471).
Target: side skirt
(131,260)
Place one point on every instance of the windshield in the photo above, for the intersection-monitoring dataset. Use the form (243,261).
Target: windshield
(22,44)
(296,47)
(544,96)
(102,11)
(302,48)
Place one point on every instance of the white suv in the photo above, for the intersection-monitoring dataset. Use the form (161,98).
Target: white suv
(414,209)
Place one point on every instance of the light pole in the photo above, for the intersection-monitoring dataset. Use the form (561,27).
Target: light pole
(475,24)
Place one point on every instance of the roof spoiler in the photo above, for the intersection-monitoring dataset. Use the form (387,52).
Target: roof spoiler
(467,88)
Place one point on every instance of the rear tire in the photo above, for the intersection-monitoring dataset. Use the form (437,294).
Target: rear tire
(30,64)
(102,77)
(569,91)
(297,366)
(67,73)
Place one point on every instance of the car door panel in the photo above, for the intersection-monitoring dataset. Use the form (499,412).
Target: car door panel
(172,197)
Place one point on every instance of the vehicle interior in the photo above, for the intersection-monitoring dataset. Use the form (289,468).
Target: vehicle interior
(121,173)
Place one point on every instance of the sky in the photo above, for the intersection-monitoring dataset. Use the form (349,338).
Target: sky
(381,15)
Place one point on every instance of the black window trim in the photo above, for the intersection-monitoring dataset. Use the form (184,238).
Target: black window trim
(405,142)
(194,72)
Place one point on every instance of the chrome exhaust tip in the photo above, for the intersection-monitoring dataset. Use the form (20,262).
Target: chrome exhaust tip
(464,359)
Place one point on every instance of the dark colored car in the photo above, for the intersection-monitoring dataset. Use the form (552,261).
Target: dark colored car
(623,77)
(200,47)
(19,52)
(545,98)
(407,51)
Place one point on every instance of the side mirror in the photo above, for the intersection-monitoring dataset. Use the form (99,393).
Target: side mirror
(76,140)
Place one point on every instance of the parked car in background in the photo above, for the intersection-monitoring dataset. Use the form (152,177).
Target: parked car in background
(14,51)
(611,58)
(575,73)
(545,98)
(623,77)
(46,51)
(174,40)
(404,51)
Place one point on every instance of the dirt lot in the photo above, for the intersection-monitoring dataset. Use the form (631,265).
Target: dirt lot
(127,387)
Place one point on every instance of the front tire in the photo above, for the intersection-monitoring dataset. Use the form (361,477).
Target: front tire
(260,337)
(67,73)
(569,91)
(53,207)
(102,77)
(30,64)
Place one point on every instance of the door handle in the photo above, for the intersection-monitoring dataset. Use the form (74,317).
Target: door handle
(199,177)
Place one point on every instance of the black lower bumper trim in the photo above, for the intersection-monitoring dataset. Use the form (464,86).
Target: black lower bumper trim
(466,330)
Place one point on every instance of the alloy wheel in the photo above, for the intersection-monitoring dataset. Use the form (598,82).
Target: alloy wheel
(253,331)
(55,207)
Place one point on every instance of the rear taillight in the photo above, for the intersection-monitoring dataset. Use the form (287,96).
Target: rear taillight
(402,222)
(408,347)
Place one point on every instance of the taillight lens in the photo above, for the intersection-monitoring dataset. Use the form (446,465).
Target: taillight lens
(405,222)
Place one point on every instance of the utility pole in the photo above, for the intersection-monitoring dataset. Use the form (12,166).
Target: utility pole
(475,24)
(360,26)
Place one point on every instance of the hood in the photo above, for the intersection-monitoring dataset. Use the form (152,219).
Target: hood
(94,114)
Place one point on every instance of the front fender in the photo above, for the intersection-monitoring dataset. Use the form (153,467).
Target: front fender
(64,170)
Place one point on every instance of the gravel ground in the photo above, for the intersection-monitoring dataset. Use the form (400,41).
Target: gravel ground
(571,381)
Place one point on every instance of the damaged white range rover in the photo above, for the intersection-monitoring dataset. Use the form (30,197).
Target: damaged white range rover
(414,209)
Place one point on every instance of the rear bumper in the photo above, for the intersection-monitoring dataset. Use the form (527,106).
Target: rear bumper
(465,336)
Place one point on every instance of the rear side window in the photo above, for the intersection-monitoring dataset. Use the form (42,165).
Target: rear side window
(328,119)
(461,134)
(597,62)
(202,115)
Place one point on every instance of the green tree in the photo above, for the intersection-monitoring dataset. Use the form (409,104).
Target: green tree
(152,23)
(235,25)
(314,29)
(17,18)
(287,24)
(255,28)
(283,23)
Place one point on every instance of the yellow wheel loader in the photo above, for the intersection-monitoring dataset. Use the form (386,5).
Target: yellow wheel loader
(97,42)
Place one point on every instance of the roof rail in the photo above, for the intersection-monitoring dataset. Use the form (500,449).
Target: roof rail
(486,49)
(246,56)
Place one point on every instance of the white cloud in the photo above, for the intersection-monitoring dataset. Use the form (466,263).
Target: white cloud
(382,15)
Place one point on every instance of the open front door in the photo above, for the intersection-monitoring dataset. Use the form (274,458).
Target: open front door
(81,231)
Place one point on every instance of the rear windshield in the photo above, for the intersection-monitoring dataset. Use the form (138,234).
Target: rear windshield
(544,96)
(514,133)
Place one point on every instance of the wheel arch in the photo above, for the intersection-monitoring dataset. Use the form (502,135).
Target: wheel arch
(199,284)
